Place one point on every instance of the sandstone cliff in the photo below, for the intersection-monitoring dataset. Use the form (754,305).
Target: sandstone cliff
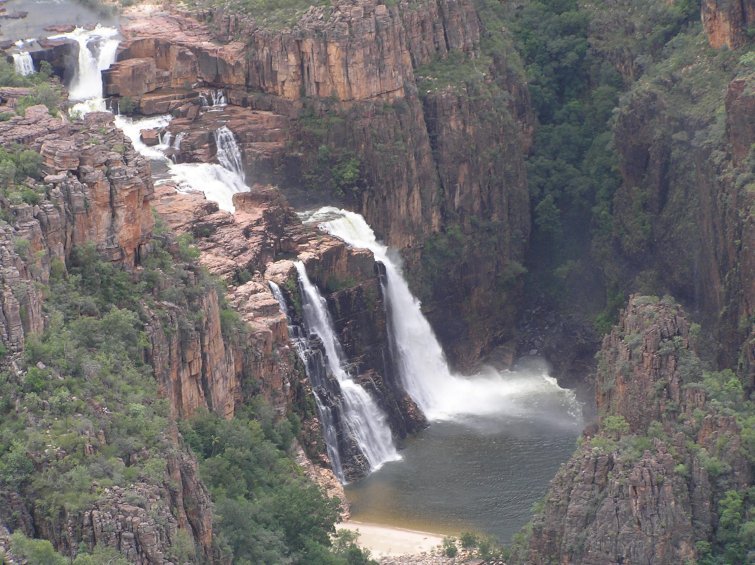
(96,191)
(728,23)
(372,123)
(255,245)
(683,219)
(651,483)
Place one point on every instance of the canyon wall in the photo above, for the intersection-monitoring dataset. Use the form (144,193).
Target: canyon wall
(683,220)
(97,193)
(366,116)
(648,483)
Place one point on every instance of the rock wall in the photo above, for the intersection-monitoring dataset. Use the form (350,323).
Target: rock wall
(346,79)
(97,191)
(727,22)
(256,244)
(641,488)
(683,216)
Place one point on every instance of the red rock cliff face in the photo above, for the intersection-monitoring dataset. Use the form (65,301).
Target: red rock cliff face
(683,214)
(727,22)
(98,191)
(429,160)
(639,490)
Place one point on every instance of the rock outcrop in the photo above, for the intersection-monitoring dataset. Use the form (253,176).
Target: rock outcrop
(646,485)
(254,245)
(98,193)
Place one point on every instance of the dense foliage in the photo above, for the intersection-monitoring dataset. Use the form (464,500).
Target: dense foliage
(43,90)
(580,57)
(267,512)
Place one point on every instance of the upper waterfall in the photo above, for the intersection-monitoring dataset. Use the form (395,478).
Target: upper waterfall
(97,51)
(228,151)
(218,182)
(425,373)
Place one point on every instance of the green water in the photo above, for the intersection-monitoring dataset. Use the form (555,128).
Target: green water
(479,474)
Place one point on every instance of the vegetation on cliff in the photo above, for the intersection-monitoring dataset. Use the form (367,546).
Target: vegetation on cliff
(667,474)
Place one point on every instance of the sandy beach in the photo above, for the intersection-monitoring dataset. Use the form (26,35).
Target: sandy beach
(385,541)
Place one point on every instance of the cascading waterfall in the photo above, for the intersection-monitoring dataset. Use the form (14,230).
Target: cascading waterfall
(23,63)
(97,51)
(314,364)
(425,373)
(217,182)
(228,151)
(177,141)
(362,417)
(218,98)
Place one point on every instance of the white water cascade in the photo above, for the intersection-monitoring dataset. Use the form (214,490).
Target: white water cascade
(426,376)
(228,152)
(218,182)
(314,364)
(97,51)
(362,417)
(23,63)
(218,98)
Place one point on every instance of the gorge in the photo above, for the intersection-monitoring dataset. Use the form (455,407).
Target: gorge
(204,340)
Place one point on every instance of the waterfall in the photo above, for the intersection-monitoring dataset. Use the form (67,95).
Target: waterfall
(218,98)
(22,63)
(228,152)
(177,141)
(217,182)
(362,417)
(97,51)
(314,364)
(425,374)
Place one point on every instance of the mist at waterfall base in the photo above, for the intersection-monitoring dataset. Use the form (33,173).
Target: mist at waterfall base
(496,438)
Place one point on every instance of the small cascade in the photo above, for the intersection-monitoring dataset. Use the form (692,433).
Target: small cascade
(165,138)
(228,152)
(97,51)
(133,128)
(23,63)
(314,364)
(218,98)
(426,376)
(362,418)
(217,182)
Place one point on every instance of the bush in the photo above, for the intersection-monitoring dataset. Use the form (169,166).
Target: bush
(449,547)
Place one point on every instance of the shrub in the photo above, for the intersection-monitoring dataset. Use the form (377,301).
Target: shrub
(449,547)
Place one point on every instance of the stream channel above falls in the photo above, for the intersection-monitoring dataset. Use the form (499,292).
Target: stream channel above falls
(494,441)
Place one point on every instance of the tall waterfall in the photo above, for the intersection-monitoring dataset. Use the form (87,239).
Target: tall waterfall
(362,417)
(22,63)
(421,362)
(97,51)
(314,364)
(228,152)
